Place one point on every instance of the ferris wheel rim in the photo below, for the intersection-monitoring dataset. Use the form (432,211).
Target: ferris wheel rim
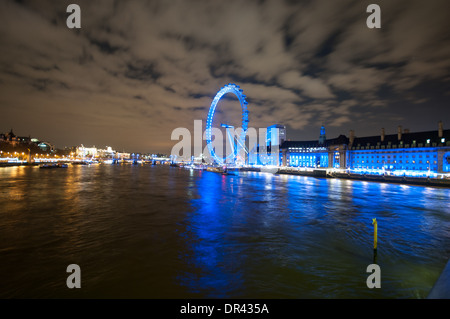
(236,90)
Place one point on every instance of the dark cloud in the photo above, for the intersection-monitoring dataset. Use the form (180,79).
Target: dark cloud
(142,71)
(138,69)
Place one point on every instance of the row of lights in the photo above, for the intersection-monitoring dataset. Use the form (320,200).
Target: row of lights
(16,154)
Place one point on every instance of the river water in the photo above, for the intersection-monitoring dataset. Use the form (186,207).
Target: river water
(164,232)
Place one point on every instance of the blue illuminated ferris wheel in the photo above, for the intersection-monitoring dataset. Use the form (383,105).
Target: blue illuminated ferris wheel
(240,143)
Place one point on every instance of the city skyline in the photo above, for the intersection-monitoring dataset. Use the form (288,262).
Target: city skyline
(137,70)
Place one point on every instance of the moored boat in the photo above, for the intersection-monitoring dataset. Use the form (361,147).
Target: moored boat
(215,169)
(55,165)
(48,166)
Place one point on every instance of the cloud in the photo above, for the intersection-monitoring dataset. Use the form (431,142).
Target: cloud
(138,69)
(310,87)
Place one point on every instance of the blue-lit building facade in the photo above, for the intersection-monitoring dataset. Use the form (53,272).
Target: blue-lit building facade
(322,153)
(262,153)
(404,153)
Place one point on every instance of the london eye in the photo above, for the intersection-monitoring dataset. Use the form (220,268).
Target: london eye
(237,143)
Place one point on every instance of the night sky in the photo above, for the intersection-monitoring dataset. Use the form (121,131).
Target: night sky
(138,69)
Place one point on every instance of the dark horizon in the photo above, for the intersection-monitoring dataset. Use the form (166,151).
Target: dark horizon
(136,70)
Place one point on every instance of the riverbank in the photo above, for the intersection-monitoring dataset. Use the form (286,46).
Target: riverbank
(18,164)
(394,179)
(441,289)
(441,182)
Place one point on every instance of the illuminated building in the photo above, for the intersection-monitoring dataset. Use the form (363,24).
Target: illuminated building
(93,152)
(315,154)
(44,146)
(86,151)
(323,136)
(10,138)
(106,153)
(404,152)
(13,140)
(275,135)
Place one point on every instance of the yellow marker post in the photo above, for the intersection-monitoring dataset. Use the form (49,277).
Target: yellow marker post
(375,233)
(375,239)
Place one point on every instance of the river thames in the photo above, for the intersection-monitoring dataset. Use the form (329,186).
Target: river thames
(165,232)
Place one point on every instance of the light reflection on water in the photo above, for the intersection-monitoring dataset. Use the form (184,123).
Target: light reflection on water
(160,232)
